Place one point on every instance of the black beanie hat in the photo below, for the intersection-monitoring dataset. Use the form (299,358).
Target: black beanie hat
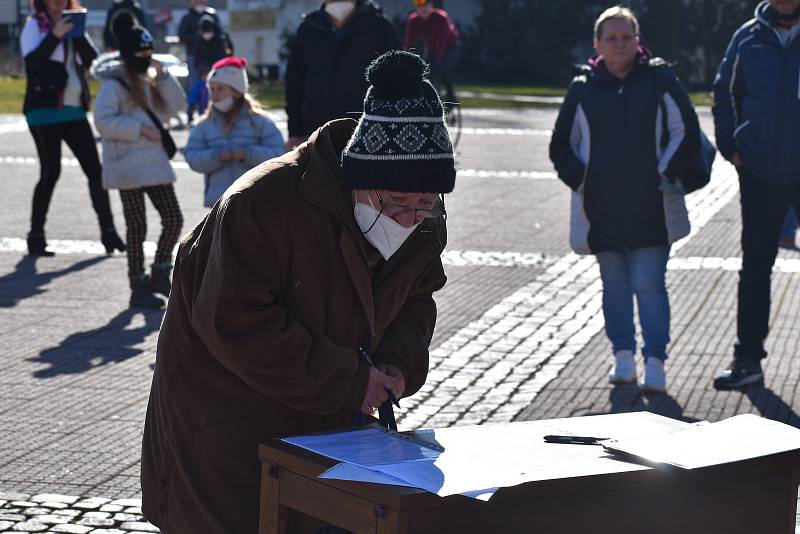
(401,142)
(131,37)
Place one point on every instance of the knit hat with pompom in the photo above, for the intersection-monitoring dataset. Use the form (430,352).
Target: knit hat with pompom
(401,142)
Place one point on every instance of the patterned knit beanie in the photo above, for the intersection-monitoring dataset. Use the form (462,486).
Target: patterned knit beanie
(401,142)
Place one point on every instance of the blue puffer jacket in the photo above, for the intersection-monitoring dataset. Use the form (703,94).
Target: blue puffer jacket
(757,100)
(253,132)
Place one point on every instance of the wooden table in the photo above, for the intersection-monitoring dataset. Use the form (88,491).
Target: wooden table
(751,497)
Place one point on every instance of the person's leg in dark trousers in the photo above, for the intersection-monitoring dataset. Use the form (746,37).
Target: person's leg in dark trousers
(448,64)
(48,146)
(764,207)
(164,199)
(80,139)
(136,230)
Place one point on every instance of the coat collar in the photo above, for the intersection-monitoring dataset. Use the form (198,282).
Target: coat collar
(322,181)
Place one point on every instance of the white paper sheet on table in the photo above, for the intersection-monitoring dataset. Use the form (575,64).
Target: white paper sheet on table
(488,456)
(739,438)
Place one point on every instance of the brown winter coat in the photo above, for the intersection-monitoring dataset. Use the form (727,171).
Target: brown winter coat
(271,296)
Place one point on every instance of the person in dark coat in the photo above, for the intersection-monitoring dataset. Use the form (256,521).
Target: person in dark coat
(121,8)
(325,71)
(212,46)
(755,116)
(190,36)
(621,142)
(305,259)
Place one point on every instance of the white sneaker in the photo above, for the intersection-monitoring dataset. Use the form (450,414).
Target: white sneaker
(654,380)
(624,371)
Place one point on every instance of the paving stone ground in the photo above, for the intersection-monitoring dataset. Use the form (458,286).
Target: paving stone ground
(519,334)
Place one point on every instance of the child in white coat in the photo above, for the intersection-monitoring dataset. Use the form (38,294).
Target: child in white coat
(135,160)
(234,135)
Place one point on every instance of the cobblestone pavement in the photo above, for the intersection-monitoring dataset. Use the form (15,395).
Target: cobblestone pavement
(519,334)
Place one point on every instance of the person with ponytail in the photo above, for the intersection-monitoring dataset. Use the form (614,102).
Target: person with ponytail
(234,135)
(56,101)
(136,96)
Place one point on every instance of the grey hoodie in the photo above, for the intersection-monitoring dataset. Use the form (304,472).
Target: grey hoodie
(130,160)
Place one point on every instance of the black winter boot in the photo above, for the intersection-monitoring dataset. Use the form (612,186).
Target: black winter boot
(37,246)
(141,294)
(159,278)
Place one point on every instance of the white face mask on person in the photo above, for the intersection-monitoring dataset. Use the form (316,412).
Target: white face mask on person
(383,233)
(207,36)
(339,10)
(224,105)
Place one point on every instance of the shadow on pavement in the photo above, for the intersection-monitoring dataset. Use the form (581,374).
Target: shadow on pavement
(110,343)
(24,282)
(628,398)
(771,406)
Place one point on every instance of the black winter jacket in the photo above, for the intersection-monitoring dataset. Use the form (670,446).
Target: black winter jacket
(621,146)
(325,73)
(47,79)
(189,26)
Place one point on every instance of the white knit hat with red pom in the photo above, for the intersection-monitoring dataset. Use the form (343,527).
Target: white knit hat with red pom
(231,71)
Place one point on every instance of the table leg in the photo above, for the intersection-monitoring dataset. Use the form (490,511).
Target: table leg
(391,521)
(273,517)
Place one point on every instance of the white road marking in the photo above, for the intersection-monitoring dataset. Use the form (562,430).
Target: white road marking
(530,175)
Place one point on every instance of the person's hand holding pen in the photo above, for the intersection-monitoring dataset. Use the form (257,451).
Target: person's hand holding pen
(395,373)
(378,388)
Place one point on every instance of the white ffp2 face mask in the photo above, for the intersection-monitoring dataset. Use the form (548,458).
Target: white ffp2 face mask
(385,234)
(223,105)
(339,10)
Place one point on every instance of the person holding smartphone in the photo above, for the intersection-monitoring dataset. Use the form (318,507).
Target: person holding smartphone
(56,101)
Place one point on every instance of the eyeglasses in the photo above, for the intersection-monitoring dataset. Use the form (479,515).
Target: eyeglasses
(391,209)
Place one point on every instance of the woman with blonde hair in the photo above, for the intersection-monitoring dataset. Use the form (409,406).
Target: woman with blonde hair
(234,135)
(129,114)
(624,140)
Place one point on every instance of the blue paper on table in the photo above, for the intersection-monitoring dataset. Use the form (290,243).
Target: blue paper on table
(77,17)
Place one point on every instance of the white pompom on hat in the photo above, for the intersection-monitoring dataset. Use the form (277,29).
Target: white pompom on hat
(231,71)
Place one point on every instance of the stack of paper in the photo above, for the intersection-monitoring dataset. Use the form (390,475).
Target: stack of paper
(478,460)
(739,438)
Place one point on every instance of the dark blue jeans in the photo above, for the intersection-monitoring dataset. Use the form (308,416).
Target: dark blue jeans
(764,207)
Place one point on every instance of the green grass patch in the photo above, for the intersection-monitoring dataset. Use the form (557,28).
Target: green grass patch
(702,98)
(12,93)
(513,90)
(271,95)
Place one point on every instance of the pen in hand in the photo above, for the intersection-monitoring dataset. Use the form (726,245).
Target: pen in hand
(365,356)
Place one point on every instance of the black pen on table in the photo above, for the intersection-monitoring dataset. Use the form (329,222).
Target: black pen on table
(574,440)
(365,356)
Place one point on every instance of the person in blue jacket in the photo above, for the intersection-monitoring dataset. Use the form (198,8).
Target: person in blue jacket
(234,135)
(621,142)
(757,120)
